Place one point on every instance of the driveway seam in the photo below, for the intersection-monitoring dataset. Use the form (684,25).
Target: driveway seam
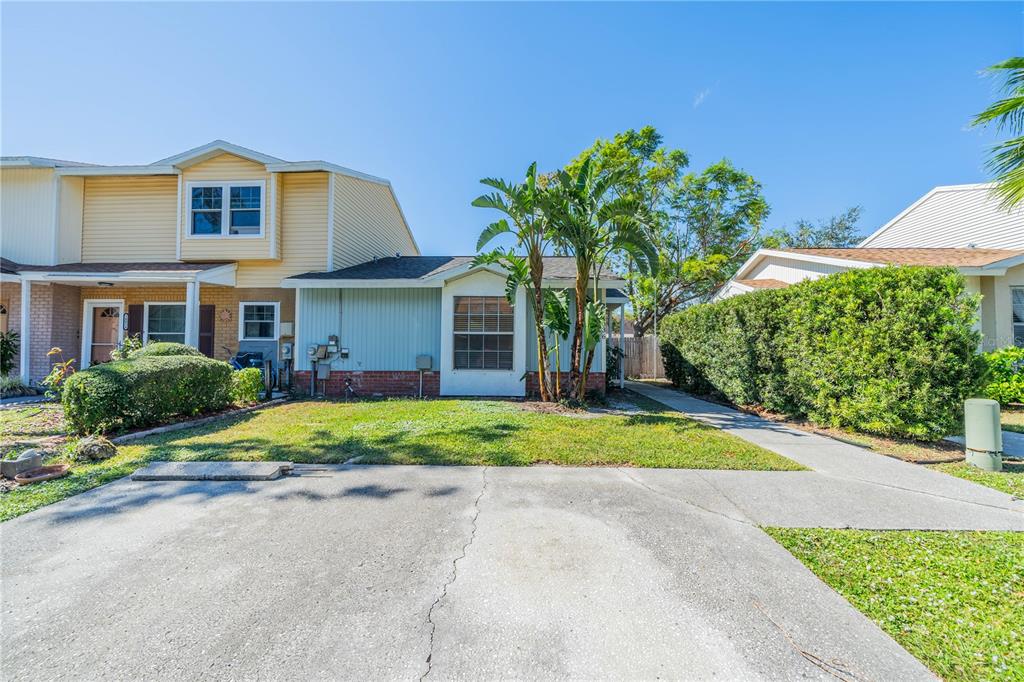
(454,575)
(688,503)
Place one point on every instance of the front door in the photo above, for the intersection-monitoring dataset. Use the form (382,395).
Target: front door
(106,322)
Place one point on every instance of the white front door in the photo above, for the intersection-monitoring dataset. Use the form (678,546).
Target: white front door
(102,330)
(483,339)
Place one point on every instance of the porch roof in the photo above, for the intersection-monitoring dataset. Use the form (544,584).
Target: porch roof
(218,272)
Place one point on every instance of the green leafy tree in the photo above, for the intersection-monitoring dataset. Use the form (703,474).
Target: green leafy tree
(837,232)
(716,217)
(529,226)
(558,322)
(1006,158)
(592,224)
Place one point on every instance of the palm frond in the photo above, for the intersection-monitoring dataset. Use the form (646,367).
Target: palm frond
(491,231)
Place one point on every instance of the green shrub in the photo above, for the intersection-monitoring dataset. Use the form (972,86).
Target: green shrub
(1004,375)
(162,348)
(145,391)
(246,385)
(891,351)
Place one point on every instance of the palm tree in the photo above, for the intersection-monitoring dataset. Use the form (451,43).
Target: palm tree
(1006,159)
(591,224)
(529,226)
(556,320)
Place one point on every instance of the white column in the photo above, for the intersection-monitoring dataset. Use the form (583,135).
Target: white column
(622,345)
(192,314)
(25,333)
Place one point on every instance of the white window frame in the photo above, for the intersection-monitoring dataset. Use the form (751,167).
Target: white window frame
(1014,325)
(511,334)
(225,208)
(145,317)
(241,321)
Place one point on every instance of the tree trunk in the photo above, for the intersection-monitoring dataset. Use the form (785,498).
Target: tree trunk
(537,273)
(579,331)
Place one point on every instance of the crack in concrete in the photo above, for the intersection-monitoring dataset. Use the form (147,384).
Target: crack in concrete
(680,500)
(454,575)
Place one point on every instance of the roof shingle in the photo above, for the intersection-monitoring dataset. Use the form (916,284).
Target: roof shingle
(936,257)
(422,267)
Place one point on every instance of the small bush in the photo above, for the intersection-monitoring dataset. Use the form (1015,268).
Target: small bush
(246,385)
(162,348)
(145,391)
(1004,375)
(891,351)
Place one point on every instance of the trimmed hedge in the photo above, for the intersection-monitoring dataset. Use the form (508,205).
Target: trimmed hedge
(246,385)
(145,391)
(891,351)
(162,348)
(1004,375)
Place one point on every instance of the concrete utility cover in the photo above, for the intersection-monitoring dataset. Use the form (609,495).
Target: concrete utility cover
(212,471)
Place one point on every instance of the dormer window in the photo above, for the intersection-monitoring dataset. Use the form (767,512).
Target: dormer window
(226,209)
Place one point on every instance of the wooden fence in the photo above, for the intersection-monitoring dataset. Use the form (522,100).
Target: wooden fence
(642,357)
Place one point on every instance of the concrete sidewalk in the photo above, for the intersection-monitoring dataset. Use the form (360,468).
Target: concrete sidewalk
(850,486)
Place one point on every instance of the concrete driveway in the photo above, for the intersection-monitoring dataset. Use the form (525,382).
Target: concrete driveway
(404,572)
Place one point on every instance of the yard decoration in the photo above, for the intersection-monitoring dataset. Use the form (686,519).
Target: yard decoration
(40,474)
(93,448)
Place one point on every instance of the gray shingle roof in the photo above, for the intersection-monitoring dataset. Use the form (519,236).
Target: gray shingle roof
(422,267)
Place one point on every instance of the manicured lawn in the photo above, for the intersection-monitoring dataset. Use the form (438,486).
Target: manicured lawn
(425,432)
(1009,480)
(953,599)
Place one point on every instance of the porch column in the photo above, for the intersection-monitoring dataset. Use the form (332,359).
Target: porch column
(192,314)
(622,345)
(25,333)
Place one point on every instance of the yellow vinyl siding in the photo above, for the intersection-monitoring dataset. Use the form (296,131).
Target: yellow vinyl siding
(26,215)
(303,241)
(367,223)
(129,219)
(224,168)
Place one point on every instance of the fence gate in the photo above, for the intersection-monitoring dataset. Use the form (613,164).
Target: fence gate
(642,358)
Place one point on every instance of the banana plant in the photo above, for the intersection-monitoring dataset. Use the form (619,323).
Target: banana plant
(556,320)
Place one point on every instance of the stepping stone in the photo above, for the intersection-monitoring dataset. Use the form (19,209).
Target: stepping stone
(212,471)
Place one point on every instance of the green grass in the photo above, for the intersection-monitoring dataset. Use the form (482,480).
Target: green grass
(1013,420)
(29,423)
(953,599)
(1009,480)
(423,432)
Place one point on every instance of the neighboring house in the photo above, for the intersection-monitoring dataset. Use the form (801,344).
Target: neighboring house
(191,248)
(960,226)
(229,249)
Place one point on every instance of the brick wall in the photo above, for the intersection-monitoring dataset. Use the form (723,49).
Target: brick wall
(226,300)
(595,382)
(371,384)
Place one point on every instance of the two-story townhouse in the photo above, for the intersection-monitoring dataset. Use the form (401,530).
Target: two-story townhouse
(192,248)
(959,226)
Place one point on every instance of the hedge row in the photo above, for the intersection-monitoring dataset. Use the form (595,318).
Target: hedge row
(146,390)
(891,351)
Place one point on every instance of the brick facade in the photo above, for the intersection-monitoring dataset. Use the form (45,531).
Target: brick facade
(56,314)
(371,384)
(595,382)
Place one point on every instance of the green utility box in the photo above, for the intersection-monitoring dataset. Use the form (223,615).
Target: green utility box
(983,434)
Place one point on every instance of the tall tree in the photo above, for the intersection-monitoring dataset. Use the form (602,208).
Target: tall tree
(715,219)
(1006,159)
(592,225)
(837,232)
(529,226)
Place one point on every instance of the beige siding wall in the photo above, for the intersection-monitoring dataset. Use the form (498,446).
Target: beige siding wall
(69,234)
(223,168)
(129,219)
(26,215)
(790,270)
(1003,303)
(367,223)
(303,240)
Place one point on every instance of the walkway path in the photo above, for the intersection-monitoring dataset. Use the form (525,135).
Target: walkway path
(848,486)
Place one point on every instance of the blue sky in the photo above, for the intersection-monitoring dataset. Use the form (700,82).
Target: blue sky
(828,105)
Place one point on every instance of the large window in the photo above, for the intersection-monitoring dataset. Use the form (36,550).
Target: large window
(165,322)
(258,321)
(483,333)
(1017,295)
(226,209)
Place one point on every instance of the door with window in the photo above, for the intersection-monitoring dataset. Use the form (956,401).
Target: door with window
(1017,296)
(105,332)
